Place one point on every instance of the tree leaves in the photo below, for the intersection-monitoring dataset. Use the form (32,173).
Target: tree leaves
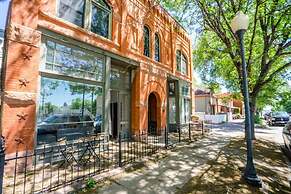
(267,43)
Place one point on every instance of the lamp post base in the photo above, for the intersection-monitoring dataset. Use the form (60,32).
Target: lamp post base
(253,180)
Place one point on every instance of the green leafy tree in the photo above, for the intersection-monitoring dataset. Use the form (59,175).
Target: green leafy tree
(267,44)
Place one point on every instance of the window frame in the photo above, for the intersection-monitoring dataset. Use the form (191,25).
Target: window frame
(179,64)
(185,97)
(89,22)
(44,73)
(87,16)
(149,41)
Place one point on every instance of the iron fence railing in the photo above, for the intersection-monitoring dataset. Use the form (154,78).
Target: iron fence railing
(51,166)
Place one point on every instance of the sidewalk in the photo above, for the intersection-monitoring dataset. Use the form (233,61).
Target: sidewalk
(213,164)
(169,174)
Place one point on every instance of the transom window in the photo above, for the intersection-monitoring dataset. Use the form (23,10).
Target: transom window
(182,63)
(72,61)
(146,34)
(72,11)
(100,18)
(157,47)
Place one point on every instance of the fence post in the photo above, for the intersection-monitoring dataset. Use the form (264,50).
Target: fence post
(189,131)
(2,162)
(119,150)
(179,128)
(166,138)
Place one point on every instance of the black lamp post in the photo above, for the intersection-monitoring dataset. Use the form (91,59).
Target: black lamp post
(239,25)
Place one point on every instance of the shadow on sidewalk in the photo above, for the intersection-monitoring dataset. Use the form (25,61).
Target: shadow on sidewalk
(223,174)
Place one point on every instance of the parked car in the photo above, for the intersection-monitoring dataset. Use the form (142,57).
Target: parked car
(278,118)
(69,126)
(287,138)
(267,115)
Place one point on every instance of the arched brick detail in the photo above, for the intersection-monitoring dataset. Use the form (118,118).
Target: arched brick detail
(156,88)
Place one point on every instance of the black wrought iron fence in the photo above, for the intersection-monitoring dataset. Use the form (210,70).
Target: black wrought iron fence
(51,166)
(139,146)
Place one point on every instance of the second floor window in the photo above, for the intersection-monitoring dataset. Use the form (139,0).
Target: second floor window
(100,18)
(157,47)
(146,34)
(178,60)
(182,63)
(72,11)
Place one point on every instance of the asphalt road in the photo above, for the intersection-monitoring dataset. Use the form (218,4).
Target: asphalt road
(236,128)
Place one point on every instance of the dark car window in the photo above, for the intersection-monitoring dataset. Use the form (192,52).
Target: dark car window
(74,119)
(280,114)
(87,118)
(56,119)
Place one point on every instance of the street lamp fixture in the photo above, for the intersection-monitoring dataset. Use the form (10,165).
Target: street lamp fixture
(239,25)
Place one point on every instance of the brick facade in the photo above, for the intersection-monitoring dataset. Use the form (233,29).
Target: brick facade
(29,21)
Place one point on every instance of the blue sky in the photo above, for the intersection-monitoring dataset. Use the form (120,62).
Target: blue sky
(3,12)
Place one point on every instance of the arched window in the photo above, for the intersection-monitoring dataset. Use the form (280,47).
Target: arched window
(157,47)
(182,63)
(178,60)
(101,16)
(146,35)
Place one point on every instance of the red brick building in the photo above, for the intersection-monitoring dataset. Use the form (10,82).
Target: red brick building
(74,67)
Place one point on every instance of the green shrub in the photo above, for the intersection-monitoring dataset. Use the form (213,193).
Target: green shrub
(91,183)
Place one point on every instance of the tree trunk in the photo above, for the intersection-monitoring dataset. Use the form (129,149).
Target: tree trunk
(253,110)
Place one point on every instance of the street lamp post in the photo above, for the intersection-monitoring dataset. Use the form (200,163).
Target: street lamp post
(239,25)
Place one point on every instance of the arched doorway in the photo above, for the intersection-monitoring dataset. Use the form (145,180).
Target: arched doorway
(152,114)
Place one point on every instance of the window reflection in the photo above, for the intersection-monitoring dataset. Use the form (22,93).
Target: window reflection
(68,110)
(184,65)
(66,60)
(172,110)
(157,47)
(185,92)
(72,11)
(178,60)
(100,18)
(119,78)
(146,34)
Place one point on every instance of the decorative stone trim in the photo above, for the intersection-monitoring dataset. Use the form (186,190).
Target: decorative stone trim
(23,34)
(19,98)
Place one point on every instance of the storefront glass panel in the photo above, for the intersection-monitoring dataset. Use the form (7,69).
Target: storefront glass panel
(68,110)
(71,61)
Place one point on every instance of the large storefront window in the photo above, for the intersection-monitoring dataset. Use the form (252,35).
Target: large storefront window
(70,103)
(72,11)
(68,110)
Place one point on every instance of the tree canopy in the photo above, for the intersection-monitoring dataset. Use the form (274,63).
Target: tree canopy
(216,55)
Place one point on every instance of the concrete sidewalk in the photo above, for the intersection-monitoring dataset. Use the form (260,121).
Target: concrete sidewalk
(171,173)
